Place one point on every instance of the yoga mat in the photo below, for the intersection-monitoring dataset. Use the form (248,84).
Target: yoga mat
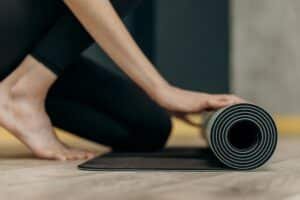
(240,137)
(169,159)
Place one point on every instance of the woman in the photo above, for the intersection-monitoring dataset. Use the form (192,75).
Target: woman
(46,81)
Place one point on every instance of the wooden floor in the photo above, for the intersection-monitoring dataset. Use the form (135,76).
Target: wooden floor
(23,177)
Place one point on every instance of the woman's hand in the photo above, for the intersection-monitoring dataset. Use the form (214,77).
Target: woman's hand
(189,102)
(182,102)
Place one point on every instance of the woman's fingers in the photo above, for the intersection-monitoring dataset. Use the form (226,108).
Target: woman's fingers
(230,98)
(189,102)
(214,104)
(187,120)
(219,101)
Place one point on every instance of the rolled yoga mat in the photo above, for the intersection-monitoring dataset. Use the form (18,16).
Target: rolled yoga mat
(241,137)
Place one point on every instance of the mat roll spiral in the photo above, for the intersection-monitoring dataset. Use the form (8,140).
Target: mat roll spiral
(242,136)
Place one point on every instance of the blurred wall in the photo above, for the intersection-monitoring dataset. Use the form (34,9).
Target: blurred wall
(266,53)
(192,43)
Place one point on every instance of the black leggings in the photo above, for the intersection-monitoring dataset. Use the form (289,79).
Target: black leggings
(87,99)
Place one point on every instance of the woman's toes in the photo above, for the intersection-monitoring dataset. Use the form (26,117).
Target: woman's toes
(77,154)
(50,155)
(71,155)
(90,155)
(82,154)
(64,154)
(60,157)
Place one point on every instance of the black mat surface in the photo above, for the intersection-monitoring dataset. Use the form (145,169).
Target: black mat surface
(170,159)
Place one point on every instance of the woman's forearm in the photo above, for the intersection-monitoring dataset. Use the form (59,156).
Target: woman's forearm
(105,26)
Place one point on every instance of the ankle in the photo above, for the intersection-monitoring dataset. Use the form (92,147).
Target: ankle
(33,83)
(22,92)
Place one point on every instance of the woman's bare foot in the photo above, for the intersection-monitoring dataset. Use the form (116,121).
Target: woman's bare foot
(22,112)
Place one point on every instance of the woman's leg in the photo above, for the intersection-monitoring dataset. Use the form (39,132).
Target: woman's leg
(24,85)
(45,29)
(23,92)
(110,109)
(23,24)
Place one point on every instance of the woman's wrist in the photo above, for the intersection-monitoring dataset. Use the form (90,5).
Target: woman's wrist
(159,92)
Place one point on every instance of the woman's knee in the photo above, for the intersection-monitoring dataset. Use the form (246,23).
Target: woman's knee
(147,138)
(155,134)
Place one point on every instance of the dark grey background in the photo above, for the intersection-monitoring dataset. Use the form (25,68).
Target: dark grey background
(188,40)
